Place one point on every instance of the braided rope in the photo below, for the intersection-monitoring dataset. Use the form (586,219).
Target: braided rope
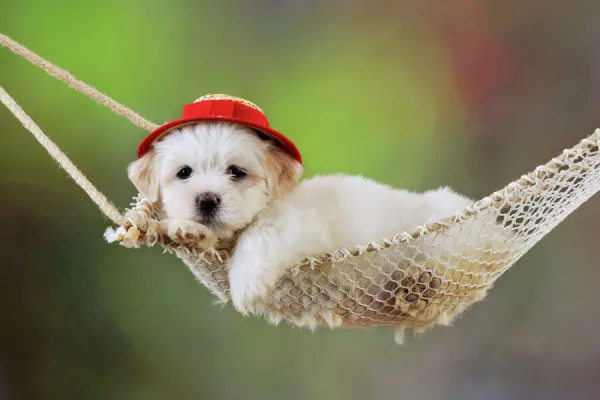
(56,153)
(76,84)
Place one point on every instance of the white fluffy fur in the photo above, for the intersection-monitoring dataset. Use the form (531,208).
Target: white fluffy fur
(274,222)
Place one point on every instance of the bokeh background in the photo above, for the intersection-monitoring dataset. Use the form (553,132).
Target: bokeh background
(469,93)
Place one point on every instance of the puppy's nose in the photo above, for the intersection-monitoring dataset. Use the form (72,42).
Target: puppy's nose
(208,201)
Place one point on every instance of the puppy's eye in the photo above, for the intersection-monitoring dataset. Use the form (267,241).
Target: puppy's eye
(236,172)
(184,173)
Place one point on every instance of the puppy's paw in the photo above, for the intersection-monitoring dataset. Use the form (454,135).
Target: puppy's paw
(250,286)
(246,299)
(189,233)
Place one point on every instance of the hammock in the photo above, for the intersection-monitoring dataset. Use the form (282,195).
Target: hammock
(412,280)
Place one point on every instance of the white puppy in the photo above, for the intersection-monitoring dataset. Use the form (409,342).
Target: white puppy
(231,183)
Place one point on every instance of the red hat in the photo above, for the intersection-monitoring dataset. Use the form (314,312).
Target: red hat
(222,107)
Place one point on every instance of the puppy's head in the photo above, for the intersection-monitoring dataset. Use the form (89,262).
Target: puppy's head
(219,174)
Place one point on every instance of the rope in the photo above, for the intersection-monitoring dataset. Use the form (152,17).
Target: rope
(101,201)
(76,84)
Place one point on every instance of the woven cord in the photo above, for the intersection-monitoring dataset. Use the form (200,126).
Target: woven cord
(76,84)
(97,197)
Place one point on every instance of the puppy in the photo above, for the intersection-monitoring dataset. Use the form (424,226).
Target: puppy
(235,185)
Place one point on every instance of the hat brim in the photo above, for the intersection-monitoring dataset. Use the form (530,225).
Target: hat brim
(162,130)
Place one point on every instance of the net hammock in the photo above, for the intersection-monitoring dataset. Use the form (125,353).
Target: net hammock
(414,279)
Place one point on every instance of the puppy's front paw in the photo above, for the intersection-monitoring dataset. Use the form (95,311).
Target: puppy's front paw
(189,233)
(249,286)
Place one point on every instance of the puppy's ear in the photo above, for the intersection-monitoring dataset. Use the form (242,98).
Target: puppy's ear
(144,175)
(283,171)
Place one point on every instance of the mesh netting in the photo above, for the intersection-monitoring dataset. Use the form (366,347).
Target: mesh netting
(412,280)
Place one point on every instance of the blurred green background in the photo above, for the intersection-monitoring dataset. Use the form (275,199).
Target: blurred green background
(466,93)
